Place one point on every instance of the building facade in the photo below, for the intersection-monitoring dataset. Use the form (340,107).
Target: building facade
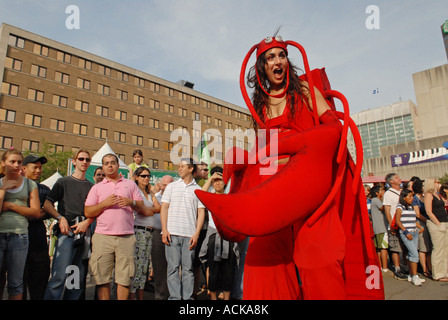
(72,99)
(431,91)
(388,125)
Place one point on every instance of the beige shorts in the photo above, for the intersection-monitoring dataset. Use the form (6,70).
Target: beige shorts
(109,252)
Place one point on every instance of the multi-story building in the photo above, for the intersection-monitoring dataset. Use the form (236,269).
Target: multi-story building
(73,99)
(387,125)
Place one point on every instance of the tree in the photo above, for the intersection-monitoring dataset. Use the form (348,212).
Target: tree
(444,179)
(57,161)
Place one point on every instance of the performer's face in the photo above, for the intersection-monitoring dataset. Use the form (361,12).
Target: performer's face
(276,67)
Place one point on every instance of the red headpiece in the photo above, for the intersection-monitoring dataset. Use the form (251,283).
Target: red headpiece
(269,43)
(263,46)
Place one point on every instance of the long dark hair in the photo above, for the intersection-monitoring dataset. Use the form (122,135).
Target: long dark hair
(403,194)
(137,173)
(296,90)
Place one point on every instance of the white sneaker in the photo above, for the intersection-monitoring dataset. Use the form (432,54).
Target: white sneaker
(416,281)
(410,278)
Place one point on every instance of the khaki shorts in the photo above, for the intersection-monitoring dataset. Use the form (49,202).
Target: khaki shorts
(109,252)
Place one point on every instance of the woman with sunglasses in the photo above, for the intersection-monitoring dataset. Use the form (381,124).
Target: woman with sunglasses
(143,227)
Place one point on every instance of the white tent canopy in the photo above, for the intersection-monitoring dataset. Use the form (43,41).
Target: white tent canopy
(49,182)
(98,157)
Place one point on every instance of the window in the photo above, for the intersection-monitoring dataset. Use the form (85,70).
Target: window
(218,122)
(33,120)
(155,87)
(169,127)
(103,89)
(167,165)
(7,115)
(120,136)
(30,145)
(153,123)
(169,108)
(58,125)
(13,63)
(207,119)
(153,143)
(140,82)
(154,104)
(11,89)
(123,76)
(83,84)
(40,49)
(153,163)
(120,115)
(5,142)
(183,112)
(82,106)
(86,64)
(16,41)
(104,70)
(62,77)
(168,145)
(139,99)
(58,148)
(101,133)
(137,119)
(102,111)
(138,140)
(123,95)
(63,56)
(38,71)
(80,129)
(196,116)
(36,95)
(60,101)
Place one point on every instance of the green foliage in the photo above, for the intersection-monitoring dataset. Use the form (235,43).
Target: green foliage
(57,161)
(444,179)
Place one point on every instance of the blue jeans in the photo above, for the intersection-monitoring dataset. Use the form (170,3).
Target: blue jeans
(66,255)
(14,248)
(179,254)
(411,245)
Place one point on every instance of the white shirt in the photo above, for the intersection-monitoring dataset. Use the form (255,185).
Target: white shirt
(142,220)
(183,209)
(391,198)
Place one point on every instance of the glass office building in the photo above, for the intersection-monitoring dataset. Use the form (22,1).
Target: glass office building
(384,126)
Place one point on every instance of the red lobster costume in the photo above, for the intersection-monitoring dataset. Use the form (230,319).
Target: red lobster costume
(310,235)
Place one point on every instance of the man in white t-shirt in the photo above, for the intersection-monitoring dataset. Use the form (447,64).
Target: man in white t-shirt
(182,217)
(390,202)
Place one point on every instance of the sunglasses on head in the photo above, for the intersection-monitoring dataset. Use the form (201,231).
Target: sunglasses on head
(82,159)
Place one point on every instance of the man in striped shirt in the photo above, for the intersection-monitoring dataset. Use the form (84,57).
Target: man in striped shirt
(182,216)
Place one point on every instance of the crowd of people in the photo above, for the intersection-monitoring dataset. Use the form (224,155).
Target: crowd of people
(122,232)
(126,232)
(410,223)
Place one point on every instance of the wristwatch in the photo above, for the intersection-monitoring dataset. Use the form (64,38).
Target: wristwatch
(58,217)
(134,203)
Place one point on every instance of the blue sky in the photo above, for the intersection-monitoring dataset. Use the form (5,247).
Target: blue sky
(205,41)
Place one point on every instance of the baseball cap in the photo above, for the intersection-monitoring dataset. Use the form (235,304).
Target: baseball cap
(33,159)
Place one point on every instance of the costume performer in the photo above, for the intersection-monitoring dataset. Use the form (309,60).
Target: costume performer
(310,236)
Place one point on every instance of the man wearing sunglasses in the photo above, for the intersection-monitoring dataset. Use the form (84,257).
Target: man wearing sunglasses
(70,194)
